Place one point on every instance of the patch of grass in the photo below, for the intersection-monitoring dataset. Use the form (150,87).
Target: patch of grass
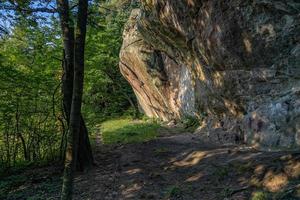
(128,131)
(226,192)
(221,172)
(173,191)
(190,123)
(242,168)
(260,195)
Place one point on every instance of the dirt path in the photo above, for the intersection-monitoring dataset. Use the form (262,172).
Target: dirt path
(183,167)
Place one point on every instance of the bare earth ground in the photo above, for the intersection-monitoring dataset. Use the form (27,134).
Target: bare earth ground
(183,167)
(176,167)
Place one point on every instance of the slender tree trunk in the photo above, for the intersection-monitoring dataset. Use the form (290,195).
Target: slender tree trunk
(7,144)
(26,157)
(75,115)
(85,156)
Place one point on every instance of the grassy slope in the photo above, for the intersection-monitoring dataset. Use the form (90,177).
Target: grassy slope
(128,131)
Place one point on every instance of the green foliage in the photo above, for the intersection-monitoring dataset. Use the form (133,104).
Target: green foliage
(190,123)
(33,126)
(128,131)
(221,172)
(106,94)
(32,123)
(260,195)
(29,101)
(226,192)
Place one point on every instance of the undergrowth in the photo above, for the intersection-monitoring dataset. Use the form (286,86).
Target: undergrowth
(190,123)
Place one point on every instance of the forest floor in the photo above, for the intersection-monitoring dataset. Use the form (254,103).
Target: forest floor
(174,166)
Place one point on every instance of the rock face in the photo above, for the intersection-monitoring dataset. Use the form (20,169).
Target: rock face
(162,85)
(233,64)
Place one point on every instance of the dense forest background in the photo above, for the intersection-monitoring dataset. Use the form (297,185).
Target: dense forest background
(33,128)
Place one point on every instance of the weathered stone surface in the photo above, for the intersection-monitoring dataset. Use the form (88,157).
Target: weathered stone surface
(235,64)
(162,86)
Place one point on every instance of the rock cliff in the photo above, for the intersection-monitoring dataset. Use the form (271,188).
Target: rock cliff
(234,64)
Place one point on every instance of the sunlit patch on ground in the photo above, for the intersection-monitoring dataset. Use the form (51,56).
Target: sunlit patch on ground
(275,182)
(192,159)
(130,191)
(194,177)
(133,171)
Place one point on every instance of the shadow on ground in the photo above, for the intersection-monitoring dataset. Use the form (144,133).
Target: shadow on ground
(183,167)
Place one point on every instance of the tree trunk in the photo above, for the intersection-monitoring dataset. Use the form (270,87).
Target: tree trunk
(85,156)
(26,157)
(75,115)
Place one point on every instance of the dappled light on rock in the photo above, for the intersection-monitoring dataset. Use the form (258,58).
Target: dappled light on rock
(234,63)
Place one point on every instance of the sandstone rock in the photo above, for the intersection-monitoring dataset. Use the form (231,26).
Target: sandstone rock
(235,64)
(162,86)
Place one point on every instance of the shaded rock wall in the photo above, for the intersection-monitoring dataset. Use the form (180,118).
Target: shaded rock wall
(234,64)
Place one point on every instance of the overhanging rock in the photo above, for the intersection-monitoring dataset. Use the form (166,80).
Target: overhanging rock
(234,64)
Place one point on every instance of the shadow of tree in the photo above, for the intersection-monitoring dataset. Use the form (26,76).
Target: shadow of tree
(182,167)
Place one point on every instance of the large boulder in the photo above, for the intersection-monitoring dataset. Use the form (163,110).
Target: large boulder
(234,64)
